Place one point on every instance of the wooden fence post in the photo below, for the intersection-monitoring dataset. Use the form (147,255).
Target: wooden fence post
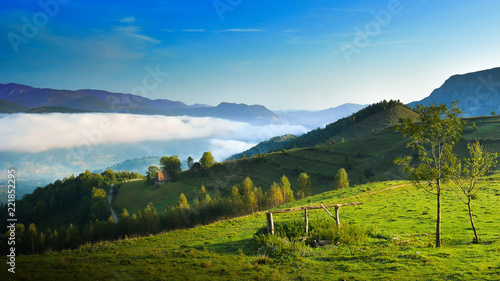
(337,218)
(306,221)
(270,223)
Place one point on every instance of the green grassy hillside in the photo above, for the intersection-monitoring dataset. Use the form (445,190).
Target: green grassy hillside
(400,216)
(368,158)
(376,122)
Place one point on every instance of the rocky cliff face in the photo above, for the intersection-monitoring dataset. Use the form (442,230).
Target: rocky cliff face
(478,92)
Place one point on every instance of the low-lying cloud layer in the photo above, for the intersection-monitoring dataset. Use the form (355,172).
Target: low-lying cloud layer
(41,132)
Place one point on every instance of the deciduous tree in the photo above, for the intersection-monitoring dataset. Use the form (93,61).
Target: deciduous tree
(286,190)
(183,202)
(190,162)
(433,138)
(341,180)
(275,195)
(468,172)
(207,160)
(303,186)
(171,164)
(150,174)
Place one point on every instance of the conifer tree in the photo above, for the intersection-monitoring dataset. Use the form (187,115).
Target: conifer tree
(341,180)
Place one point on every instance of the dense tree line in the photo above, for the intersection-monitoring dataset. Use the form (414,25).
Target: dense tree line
(85,195)
(321,136)
(245,198)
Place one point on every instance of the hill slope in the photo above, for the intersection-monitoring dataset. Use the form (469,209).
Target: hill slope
(373,117)
(479,92)
(397,248)
(376,122)
(367,158)
(11,107)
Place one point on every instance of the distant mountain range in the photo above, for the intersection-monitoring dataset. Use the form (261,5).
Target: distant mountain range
(314,119)
(478,92)
(16,98)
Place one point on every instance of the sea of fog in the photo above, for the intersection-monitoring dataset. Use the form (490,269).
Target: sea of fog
(46,147)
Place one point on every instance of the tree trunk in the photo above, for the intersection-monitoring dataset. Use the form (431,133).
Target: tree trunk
(438,219)
(306,221)
(270,223)
(476,239)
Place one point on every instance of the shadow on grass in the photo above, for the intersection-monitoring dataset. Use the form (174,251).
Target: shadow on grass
(231,247)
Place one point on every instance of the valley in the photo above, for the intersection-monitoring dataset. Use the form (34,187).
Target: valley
(205,222)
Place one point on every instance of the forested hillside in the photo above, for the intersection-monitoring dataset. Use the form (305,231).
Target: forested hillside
(77,200)
(369,119)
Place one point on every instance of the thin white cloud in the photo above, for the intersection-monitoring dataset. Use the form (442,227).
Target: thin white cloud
(128,20)
(352,44)
(193,30)
(291,30)
(134,31)
(242,30)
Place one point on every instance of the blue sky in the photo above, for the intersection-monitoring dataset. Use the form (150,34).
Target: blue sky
(282,54)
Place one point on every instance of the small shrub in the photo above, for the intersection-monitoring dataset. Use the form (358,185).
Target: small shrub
(327,229)
(276,246)
(263,259)
(206,264)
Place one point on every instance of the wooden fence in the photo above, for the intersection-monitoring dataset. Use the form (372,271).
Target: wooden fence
(269,214)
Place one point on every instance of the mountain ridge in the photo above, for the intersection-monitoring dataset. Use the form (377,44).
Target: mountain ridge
(478,92)
(28,98)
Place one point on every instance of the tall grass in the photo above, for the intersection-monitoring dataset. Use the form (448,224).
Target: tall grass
(291,240)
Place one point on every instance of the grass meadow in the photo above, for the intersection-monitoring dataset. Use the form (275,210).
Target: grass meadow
(401,218)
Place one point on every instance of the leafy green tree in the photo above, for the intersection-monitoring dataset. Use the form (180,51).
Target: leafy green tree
(275,195)
(468,173)
(249,199)
(202,194)
(32,237)
(235,199)
(259,197)
(286,190)
(123,223)
(150,175)
(433,138)
(303,186)
(207,160)
(190,162)
(72,236)
(341,180)
(183,202)
(99,206)
(151,217)
(171,164)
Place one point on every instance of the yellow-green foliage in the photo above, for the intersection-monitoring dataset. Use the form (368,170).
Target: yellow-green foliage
(400,220)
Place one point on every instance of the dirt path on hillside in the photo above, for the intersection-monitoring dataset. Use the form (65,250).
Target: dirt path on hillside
(377,191)
(110,198)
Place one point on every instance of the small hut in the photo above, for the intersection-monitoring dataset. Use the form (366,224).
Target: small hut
(162,177)
(195,168)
